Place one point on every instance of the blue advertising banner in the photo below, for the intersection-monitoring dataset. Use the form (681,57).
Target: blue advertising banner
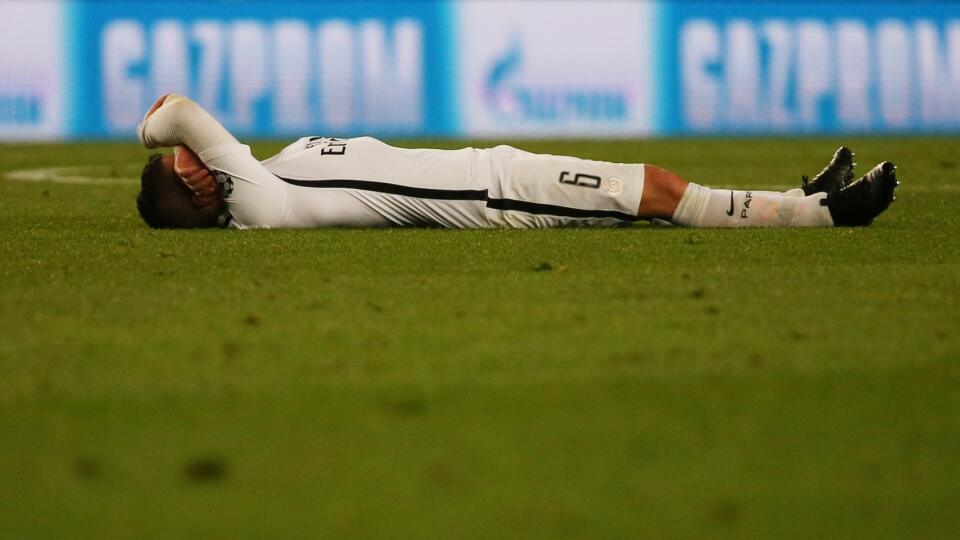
(483,68)
(805,67)
(264,68)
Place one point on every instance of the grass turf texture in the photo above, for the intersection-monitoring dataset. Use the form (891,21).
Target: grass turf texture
(641,382)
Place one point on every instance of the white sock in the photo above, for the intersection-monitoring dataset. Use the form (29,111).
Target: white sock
(704,207)
(795,192)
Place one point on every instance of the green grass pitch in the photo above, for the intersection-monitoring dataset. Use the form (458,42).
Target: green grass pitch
(645,382)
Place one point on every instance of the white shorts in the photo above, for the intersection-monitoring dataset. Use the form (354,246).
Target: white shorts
(528,190)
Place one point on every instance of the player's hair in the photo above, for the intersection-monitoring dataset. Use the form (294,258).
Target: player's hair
(165,203)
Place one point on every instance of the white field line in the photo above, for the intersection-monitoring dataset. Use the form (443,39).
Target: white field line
(68,175)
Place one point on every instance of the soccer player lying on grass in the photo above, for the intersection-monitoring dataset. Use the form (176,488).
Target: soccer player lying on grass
(212,180)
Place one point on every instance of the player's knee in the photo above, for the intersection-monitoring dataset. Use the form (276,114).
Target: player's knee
(663,182)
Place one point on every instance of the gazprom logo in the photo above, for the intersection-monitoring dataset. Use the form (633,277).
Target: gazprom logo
(270,76)
(511,93)
(848,74)
(21,108)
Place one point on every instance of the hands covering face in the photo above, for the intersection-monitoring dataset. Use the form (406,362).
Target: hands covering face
(196,176)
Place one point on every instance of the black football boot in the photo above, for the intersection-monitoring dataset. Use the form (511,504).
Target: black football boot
(858,203)
(837,174)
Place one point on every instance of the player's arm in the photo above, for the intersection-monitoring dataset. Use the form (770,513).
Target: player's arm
(196,175)
(176,120)
(203,145)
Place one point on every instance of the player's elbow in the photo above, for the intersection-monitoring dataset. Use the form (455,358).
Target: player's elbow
(181,111)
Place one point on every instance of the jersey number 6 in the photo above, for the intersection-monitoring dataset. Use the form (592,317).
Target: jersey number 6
(580,179)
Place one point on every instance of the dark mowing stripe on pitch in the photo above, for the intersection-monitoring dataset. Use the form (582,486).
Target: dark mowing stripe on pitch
(461,195)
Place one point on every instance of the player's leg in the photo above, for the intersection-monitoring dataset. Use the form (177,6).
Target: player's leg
(830,201)
(527,190)
(701,206)
(536,190)
(664,189)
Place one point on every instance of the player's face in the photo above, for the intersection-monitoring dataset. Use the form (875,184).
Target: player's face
(192,209)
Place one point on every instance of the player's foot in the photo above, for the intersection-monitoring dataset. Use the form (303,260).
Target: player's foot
(858,203)
(837,174)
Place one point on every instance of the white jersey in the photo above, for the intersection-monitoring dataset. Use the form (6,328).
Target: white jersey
(364,182)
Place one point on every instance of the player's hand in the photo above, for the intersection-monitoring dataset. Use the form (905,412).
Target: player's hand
(195,175)
(166,132)
(142,126)
(156,105)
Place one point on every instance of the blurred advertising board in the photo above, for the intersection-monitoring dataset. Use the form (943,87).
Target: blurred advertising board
(483,68)
(31,70)
(802,67)
(552,68)
(264,67)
